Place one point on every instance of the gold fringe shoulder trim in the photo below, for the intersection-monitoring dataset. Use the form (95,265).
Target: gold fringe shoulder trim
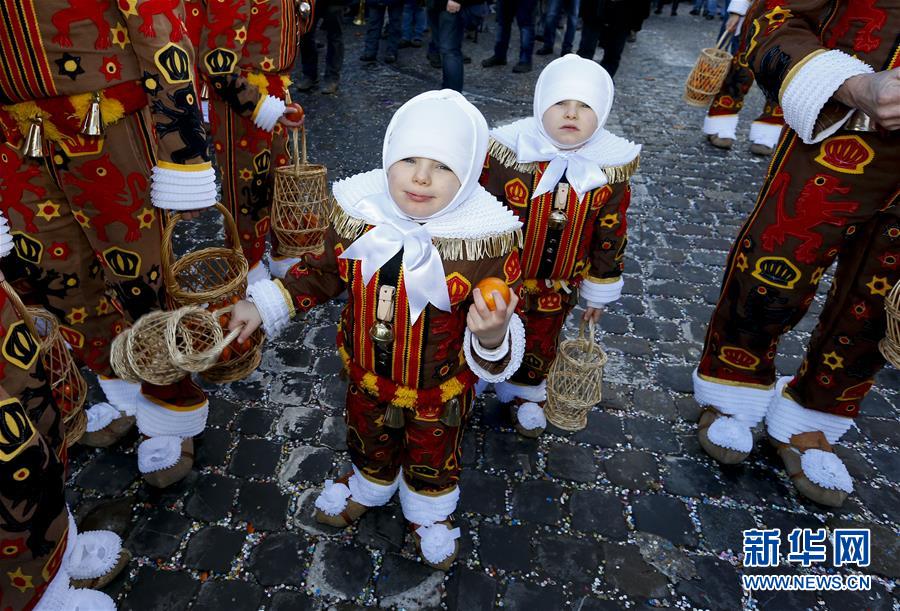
(451,249)
(507,158)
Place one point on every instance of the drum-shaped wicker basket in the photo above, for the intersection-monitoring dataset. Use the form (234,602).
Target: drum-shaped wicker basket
(119,362)
(890,345)
(147,351)
(575,380)
(194,338)
(207,276)
(705,80)
(75,428)
(301,206)
(236,362)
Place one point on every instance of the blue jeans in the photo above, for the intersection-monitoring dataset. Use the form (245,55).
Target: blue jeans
(712,6)
(551,22)
(523,12)
(447,31)
(414,20)
(375,21)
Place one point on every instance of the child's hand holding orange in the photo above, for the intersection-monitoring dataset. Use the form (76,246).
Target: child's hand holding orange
(489,316)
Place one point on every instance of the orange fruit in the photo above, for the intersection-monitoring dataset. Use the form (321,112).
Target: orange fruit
(487,288)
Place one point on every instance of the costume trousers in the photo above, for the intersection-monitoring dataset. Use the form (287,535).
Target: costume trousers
(33,518)
(244,158)
(544,316)
(87,242)
(425,449)
(821,203)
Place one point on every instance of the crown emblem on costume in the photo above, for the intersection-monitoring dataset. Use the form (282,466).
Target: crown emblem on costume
(123,262)
(738,357)
(847,154)
(776,271)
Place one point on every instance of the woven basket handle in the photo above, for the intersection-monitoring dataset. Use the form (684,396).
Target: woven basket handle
(21,309)
(724,39)
(233,334)
(166,254)
(295,152)
(591,335)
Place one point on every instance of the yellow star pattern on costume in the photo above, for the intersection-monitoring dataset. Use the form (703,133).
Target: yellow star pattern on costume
(240,34)
(777,15)
(76,316)
(146,218)
(816,275)
(831,359)
(609,220)
(742,262)
(245,174)
(879,285)
(128,7)
(48,210)
(82,218)
(267,64)
(20,580)
(103,306)
(120,36)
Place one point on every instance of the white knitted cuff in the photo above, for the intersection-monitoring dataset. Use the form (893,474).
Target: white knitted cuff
(270,301)
(426,509)
(786,418)
(155,421)
(368,493)
(723,126)
(268,113)
(746,404)
(509,391)
(598,294)
(739,6)
(491,354)
(175,189)
(6,242)
(812,86)
(766,134)
(516,334)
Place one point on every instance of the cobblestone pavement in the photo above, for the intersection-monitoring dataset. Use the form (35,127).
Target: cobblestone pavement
(627,513)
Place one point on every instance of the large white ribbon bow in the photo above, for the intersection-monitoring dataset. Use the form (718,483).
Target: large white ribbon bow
(582,173)
(423,269)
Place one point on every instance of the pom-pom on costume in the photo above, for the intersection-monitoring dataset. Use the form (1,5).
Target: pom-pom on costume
(830,194)
(411,361)
(573,204)
(85,210)
(248,49)
(722,118)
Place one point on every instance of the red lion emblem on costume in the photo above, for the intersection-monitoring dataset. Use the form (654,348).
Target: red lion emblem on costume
(104,186)
(872,19)
(83,10)
(221,19)
(15,179)
(149,9)
(811,209)
(260,23)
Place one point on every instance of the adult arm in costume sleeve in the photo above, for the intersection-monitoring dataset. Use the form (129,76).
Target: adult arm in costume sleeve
(498,364)
(183,178)
(603,282)
(792,65)
(314,280)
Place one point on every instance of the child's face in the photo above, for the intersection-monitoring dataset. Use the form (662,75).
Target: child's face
(420,186)
(570,122)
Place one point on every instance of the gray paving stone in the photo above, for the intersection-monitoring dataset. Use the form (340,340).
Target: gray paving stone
(213,548)
(340,571)
(306,464)
(572,462)
(603,429)
(157,589)
(505,547)
(716,585)
(522,596)
(568,558)
(722,527)
(652,435)
(405,584)
(663,516)
(212,497)
(599,512)
(263,505)
(278,559)
(510,452)
(632,469)
(219,594)
(626,570)
(382,528)
(469,589)
(688,477)
(255,458)
(158,534)
(482,493)
(537,501)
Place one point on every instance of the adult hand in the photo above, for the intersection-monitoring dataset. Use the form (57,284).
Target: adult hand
(488,325)
(733,20)
(877,95)
(453,7)
(292,109)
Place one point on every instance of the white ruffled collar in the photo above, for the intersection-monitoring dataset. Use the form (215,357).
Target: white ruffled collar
(606,149)
(480,216)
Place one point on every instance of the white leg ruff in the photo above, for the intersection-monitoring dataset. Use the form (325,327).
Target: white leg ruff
(279,267)
(787,418)
(158,453)
(100,415)
(154,420)
(438,542)
(94,555)
(531,416)
(122,395)
(366,492)
(508,391)
(425,509)
(723,126)
(766,134)
(745,403)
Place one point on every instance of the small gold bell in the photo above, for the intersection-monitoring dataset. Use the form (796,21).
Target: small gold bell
(394,418)
(204,90)
(382,333)
(305,9)
(557,219)
(451,415)
(34,139)
(860,122)
(93,120)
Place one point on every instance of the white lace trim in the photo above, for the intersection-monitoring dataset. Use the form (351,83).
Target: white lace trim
(826,469)
(6,242)
(480,216)
(427,509)
(437,542)
(516,333)
(158,453)
(787,418)
(728,432)
(723,126)
(176,190)
(766,134)
(531,416)
(269,112)
(100,415)
(606,149)
(492,354)
(80,599)
(598,294)
(746,404)
(812,87)
(95,554)
(273,309)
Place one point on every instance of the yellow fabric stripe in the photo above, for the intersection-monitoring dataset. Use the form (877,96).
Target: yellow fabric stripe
(181,167)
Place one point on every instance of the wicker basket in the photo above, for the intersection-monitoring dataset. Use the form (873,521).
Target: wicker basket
(890,345)
(705,80)
(75,428)
(575,380)
(194,338)
(147,352)
(236,365)
(300,205)
(119,362)
(206,276)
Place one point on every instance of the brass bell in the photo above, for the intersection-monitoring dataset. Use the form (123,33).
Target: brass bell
(394,418)
(382,333)
(860,122)
(34,139)
(557,220)
(451,415)
(305,9)
(93,120)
